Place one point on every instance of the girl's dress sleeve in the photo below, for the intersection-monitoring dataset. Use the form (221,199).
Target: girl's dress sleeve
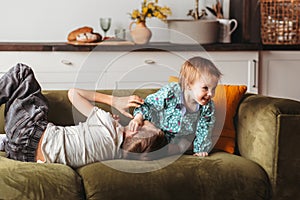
(155,101)
(203,140)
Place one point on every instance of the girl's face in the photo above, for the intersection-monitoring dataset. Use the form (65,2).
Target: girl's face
(203,89)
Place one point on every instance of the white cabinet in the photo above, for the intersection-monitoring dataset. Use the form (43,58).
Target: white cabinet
(280,74)
(141,69)
(54,70)
(238,68)
(152,69)
(126,70)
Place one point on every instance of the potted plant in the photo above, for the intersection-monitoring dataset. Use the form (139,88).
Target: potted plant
(199,29)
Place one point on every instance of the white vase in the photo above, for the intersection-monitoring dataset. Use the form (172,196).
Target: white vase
(193,31)
(140,34)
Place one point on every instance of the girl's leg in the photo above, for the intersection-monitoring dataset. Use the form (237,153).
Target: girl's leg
(26,112)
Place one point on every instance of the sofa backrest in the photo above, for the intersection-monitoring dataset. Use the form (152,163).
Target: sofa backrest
(61,111)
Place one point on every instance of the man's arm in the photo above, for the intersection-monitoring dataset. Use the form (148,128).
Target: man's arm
(82,99)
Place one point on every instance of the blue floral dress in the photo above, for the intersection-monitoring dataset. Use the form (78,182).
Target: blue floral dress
(166,110)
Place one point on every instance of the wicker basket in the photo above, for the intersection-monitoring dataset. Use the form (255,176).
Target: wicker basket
(280,21)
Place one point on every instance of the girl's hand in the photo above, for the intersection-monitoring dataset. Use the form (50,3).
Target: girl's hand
(135,123)
(116,117)
(124,103)
(201,154)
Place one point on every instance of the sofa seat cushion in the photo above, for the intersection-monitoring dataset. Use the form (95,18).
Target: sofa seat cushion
(22,180)
(219,176)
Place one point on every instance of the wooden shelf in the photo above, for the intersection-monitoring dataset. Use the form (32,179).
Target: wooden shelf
(156,46)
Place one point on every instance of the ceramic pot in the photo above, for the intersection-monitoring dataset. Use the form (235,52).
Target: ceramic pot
(140,33)
(193,31)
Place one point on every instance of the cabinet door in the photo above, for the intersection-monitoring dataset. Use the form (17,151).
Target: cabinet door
(53,70)
(280,74)
(238,68)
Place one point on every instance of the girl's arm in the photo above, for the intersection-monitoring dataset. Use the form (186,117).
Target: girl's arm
(82,100)
(155,101)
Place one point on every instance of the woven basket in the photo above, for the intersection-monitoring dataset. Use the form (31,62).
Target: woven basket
(280,21)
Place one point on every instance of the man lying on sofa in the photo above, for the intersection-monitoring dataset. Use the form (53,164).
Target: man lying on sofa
(31,138)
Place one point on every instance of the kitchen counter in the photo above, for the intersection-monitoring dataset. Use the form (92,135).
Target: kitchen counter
(157,46)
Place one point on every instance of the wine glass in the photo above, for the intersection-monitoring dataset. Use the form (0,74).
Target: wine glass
(105,24)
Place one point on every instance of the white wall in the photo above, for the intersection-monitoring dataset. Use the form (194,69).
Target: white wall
(52,20)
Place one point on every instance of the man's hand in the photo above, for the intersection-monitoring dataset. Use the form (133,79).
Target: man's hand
(124,103)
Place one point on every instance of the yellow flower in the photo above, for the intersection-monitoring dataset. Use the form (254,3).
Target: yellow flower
(155,13)
(150,9)
(144,11)
(135,14)
(151,6)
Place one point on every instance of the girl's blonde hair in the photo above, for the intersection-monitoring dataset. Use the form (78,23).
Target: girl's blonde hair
(194,68)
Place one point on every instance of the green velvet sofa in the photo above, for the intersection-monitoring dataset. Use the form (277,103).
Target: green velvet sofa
(265,165)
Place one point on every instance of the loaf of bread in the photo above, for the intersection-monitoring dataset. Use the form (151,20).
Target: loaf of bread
(85,35)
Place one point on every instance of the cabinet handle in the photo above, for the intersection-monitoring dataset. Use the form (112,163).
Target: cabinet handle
(150,62)
(254,73)
(66,62)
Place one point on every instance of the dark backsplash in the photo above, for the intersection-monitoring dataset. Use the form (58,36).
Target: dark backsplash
(247,13)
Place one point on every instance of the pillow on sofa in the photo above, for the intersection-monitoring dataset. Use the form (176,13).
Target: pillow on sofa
(233,95)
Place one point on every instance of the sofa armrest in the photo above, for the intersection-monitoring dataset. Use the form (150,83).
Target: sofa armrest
(268,132)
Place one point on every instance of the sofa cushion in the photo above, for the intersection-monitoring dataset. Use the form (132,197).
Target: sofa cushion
(227,98)
(219,176)
(21,180)
(233,95)
(61,111)
(2,153)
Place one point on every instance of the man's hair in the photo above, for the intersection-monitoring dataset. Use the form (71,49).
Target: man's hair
(194,68)
(147,139)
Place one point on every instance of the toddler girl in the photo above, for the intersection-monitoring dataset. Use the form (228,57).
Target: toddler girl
(184,111)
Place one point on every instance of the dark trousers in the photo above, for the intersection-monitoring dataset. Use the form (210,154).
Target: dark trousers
(26,111)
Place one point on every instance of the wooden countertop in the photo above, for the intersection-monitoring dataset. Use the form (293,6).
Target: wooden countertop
(157,46)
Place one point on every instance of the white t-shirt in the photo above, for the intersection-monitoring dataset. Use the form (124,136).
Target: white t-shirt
(98,138)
